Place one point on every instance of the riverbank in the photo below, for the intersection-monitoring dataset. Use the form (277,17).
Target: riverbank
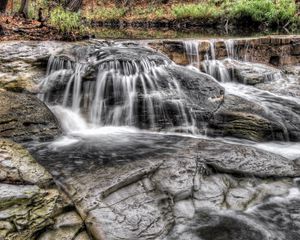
(237,17)
(15,28)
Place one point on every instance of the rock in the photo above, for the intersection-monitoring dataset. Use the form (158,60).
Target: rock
(244,118)
(19,76)
(66,227)
(82,236)
(23,64)
(243,72)
(24,117)
(241,118)
(252,73)
(247,161)
(277,50)
(150,194)
(31,205)
(295,50)
(28,208)
(18,166)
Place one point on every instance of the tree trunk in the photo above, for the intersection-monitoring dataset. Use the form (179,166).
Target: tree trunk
(74,5)
(3,4)
(24,9)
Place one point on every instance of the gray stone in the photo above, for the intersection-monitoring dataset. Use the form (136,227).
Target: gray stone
(156,195)
(23,117)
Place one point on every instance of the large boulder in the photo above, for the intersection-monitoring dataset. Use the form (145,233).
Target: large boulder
(23,117)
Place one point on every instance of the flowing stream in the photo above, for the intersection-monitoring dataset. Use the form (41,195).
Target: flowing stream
(121,103)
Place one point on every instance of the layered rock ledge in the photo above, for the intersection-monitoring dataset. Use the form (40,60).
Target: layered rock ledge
(275,50)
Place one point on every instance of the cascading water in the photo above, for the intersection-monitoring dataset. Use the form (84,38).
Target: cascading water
(109,88)
(192,51)
(251,81)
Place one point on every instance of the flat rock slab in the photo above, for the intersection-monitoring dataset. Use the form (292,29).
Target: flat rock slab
(125,194)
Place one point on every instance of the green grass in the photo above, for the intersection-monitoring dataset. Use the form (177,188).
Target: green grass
(197,11)
(102,13)
(65,21)
(267,12)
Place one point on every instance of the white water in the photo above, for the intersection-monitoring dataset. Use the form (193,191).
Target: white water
(101,118)
(122,88)
(191,48)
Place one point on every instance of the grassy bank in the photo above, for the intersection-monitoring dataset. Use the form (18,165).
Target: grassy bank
(231,15)
(269,13)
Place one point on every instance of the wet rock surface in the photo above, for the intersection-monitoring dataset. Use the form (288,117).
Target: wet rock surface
(158,195)
(23,117)
(273,118)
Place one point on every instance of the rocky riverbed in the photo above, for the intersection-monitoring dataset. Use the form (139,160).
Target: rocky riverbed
(221,161)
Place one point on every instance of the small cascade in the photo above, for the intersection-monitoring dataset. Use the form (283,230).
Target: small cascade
(110,88)
(229,44)
(215,67)
(191,48)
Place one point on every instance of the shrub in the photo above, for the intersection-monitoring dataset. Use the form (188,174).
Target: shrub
(263,10)
(64,20)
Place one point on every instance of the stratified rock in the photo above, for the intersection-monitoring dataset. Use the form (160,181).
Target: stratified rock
(275,50)
(31,205)
(19,76)
(23,117)
(27,207)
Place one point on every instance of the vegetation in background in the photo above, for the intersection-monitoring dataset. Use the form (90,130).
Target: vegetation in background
(265,11)
(56,13)
(197,11)
(64,20)
(102,13)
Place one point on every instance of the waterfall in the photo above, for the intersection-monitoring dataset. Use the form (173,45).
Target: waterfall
(123,91)
(191,48)
(229,44)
